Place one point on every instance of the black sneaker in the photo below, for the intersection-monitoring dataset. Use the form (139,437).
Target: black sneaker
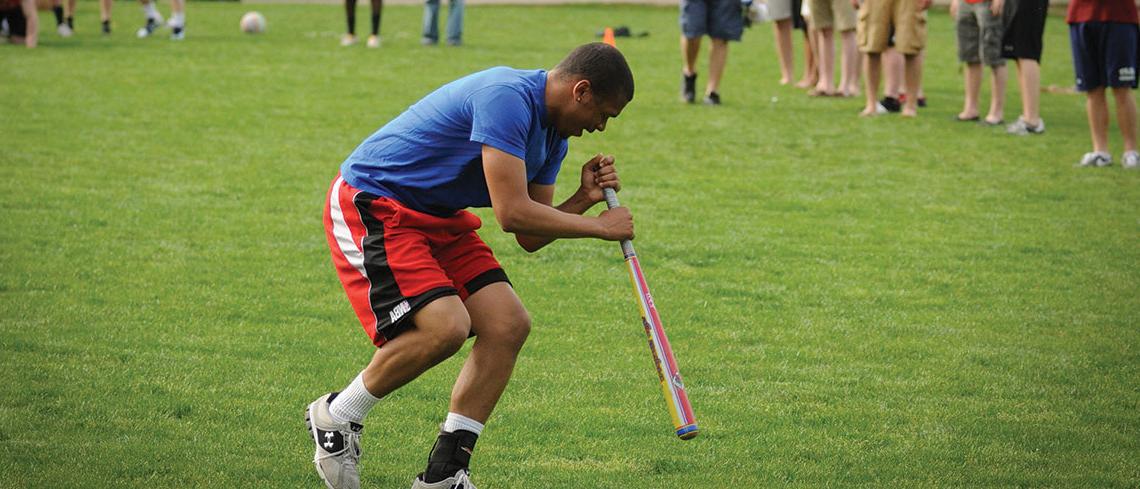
(107,27)
(712,98)
(689,88)
(890,104)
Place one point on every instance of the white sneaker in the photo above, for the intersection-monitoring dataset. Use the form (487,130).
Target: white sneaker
(373,41)
(1130,160)
(337,446)
(1022,128)
(64,30)
(1095,159)
(348,40)
(461,480)
(152,24)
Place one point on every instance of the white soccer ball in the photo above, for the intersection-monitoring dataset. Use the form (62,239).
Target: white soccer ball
(253,23)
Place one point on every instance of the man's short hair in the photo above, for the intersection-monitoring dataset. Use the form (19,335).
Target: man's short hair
(604,66)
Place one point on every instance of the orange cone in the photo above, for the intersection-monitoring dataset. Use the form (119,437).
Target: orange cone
(608,37)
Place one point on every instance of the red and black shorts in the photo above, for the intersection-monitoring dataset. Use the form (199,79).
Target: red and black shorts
(393,260)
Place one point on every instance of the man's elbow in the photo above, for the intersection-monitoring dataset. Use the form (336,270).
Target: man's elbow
(508,223)
(511,220)
(528,245)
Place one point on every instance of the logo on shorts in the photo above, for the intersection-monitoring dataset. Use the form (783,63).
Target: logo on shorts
(1127,74)
(398,312)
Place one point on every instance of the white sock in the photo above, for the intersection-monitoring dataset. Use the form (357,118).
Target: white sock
(177,19)
(150,11)
(353,403)
(460,422)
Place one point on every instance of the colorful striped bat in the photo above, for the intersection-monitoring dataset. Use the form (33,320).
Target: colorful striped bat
(671,385)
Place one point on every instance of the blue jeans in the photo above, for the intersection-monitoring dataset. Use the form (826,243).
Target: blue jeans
(454,21)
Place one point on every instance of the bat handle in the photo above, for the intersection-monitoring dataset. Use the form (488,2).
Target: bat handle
(611,202)
(611,197)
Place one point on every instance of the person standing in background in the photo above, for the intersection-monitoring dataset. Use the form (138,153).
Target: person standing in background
(349,37)
(783,14)
(722,21)
(1104,35)
(878,21)
(454,23)
(829,17)
(978,24)
(1023,22)
(811,47)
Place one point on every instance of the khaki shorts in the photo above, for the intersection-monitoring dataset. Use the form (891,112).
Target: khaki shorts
(880,20)
(827,14)
(779,9)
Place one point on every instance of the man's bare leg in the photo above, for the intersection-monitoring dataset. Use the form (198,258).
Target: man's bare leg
(997,94)
(872,72)
(783,32)
(913,82)
(973,89)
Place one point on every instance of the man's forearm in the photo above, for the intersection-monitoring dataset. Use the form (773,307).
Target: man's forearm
(576,204)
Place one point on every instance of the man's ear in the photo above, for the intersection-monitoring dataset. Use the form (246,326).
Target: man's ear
(582,91)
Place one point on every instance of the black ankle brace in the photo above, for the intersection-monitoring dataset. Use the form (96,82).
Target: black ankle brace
(451,452)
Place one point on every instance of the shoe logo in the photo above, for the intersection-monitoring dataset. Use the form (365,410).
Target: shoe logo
(468,450)
(328,439)
(399,311)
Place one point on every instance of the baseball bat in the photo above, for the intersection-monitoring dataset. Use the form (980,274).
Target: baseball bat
(678,401)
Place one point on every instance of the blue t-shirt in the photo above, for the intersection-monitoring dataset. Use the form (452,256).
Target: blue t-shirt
(429,158)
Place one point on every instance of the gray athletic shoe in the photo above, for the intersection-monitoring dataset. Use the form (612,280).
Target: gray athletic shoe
(1094,160)
(461,480)
(1131,160)
(338,446)
(1022,128)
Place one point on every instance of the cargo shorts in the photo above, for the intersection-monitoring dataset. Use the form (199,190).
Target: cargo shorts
(979,34)
(878,19)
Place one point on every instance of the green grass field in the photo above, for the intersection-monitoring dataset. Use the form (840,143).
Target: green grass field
(873,303)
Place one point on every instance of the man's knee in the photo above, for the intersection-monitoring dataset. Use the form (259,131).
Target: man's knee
(516,328)
(449,336)
(509,330)
(447,326)
(1122,93)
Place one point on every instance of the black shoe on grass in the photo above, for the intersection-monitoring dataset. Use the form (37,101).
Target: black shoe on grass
(689,88)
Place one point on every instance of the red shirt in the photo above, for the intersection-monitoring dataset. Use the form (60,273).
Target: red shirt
(1119,11)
